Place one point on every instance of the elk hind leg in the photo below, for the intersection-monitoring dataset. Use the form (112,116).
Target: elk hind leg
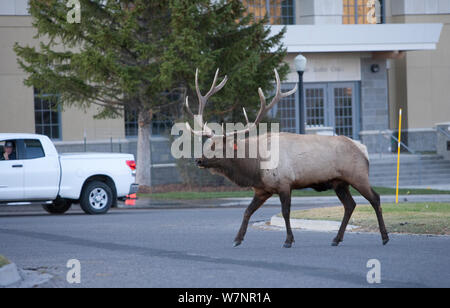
(343,193)
(285,198)
(374,199)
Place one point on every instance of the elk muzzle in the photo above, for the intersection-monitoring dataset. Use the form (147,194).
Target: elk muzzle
(200,162)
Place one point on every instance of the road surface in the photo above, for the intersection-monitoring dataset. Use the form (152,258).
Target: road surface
(193,248)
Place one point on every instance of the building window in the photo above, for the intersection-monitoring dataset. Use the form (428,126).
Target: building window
(131,123)
(280,12)
(363,12)
(160,125)
(315,106)
(286,111)
(47,115)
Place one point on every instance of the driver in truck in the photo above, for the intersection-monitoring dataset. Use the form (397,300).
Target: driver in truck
(10,153)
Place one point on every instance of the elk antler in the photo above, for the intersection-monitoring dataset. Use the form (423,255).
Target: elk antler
(202,100)
(264,107)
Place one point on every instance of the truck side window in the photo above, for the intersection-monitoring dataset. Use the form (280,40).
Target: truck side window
(33,149)
(8,150)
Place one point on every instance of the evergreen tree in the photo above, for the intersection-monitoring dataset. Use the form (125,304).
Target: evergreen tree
(220,34)
(131,53)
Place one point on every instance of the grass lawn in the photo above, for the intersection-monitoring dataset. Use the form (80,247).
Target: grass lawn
(3,261)
(191,195)
(417,218)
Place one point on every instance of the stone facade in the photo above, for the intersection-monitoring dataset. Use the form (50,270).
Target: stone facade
(443,140)
(422,140)
(374,95)
(377,141)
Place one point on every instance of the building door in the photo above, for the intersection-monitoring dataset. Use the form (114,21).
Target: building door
(334,105)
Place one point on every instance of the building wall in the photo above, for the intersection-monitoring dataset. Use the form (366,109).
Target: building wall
(374,95)
(17,101)
(419,82)
(314,12)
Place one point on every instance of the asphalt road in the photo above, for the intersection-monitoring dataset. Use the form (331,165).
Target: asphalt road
(193,248)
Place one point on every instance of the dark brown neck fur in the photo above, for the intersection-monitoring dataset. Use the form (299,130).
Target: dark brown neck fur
(244,172)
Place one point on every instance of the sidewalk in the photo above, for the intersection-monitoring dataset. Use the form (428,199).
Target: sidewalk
(146,203)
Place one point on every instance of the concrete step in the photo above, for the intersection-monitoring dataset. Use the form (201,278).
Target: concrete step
(406,183)
(416,163)
(415,170)
(411,173)
(441,176)
(375,158)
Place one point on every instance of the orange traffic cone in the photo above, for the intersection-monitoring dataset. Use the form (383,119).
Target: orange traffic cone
(131,200)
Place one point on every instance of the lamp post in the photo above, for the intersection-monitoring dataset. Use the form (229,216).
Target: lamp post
(300,65)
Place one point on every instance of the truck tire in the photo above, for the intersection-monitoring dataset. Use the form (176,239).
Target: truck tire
(96,198)
(58,207)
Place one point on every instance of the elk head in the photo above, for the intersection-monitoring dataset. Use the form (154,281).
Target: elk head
(225,143)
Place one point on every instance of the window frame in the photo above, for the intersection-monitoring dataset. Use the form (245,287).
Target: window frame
(23,149)
(268,8)
(42,125)
(134,123)
(356,16)
(155,127)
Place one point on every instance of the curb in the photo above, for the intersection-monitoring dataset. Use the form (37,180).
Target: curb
(9,275)
(310,225)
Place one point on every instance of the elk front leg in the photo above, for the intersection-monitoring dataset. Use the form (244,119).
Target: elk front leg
(285,198)
(258,200)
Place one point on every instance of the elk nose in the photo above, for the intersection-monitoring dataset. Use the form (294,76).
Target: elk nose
(199,162)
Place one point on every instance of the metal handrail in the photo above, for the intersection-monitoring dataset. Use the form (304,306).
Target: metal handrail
(412,152)
(441,130)
(405,146)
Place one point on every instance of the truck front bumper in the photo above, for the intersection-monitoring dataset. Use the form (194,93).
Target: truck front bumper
(134,188)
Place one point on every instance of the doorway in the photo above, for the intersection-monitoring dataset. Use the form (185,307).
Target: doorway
(335,105)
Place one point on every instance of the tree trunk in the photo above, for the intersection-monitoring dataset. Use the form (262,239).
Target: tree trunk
(143,170)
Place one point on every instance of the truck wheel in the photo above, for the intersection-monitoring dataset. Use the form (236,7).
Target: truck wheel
(96,198)
(57,207)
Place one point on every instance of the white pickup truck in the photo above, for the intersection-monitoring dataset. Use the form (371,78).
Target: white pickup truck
(35,173)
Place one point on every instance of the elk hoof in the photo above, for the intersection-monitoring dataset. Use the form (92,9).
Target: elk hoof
(335,242)
(237,243)
(385,241)
(287,245)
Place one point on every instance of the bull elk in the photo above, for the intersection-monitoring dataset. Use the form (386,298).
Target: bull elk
(305,161)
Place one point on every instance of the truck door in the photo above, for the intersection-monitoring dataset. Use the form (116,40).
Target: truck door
(11,177)
(41,171)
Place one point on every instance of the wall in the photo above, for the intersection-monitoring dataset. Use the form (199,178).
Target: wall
(374,96)
(419,7)
(421,79)
(17,101)
(315,12)
(327,67)
(443,140)
(14,7)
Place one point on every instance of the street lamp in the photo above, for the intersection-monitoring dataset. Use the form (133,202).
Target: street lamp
(300,65)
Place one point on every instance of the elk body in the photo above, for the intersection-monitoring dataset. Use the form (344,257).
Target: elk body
(305,161)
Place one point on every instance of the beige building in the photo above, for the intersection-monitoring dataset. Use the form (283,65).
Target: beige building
(366,59)
(419,82)
(20,111)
